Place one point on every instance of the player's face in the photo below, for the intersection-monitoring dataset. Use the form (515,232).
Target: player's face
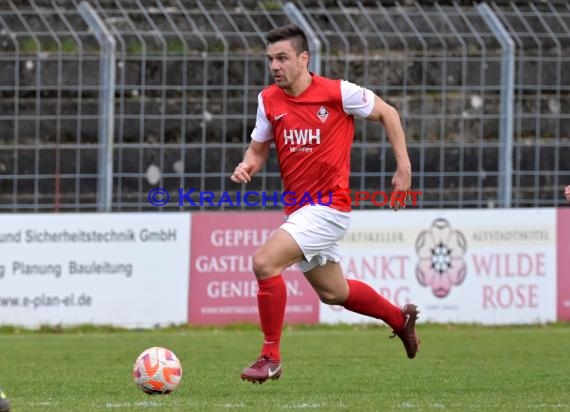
(285,64)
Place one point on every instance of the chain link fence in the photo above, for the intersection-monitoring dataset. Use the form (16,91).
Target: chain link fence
(185,79)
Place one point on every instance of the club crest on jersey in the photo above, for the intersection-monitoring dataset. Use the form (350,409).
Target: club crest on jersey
(323,114)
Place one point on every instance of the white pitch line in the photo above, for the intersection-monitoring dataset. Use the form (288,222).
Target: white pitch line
(145,404)
(302,406)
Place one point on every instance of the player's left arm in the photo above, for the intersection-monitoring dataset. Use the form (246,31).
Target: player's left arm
(388,115)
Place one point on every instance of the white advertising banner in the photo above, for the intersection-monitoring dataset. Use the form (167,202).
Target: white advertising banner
(124,269)
(484,266)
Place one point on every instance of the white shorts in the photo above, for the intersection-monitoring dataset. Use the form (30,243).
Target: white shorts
(317,230)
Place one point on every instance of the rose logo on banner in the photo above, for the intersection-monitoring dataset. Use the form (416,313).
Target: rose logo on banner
(441,263)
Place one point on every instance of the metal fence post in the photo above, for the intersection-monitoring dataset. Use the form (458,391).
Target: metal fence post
(507,95)
(106,105)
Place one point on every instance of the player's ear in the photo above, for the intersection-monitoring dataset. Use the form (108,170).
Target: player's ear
(305,58)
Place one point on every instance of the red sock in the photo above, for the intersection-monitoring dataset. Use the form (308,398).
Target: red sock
(271,299)
(366,301)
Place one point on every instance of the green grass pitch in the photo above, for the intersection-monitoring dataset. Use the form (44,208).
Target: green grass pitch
(326,368)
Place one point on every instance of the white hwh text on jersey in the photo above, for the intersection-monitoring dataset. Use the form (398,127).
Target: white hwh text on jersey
(302,136)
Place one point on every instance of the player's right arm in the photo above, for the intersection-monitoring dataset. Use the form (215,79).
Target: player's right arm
(258,150)
(253,161)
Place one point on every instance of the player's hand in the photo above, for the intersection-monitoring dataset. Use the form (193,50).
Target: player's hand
(242,173)
(567,193)
(402,183)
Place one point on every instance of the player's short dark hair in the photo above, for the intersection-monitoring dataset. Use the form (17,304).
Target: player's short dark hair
(289,32)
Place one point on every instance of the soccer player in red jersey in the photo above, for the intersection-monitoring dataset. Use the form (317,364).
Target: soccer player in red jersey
(310,119)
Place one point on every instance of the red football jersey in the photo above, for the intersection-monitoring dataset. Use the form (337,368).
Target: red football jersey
(313,134)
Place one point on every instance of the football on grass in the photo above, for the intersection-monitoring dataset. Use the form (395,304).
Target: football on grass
(157,371)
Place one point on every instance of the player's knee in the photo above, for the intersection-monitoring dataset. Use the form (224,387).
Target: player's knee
(262,266)
(331,298)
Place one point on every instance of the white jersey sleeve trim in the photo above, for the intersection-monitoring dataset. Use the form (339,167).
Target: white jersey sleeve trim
(263,130)
(356,100)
